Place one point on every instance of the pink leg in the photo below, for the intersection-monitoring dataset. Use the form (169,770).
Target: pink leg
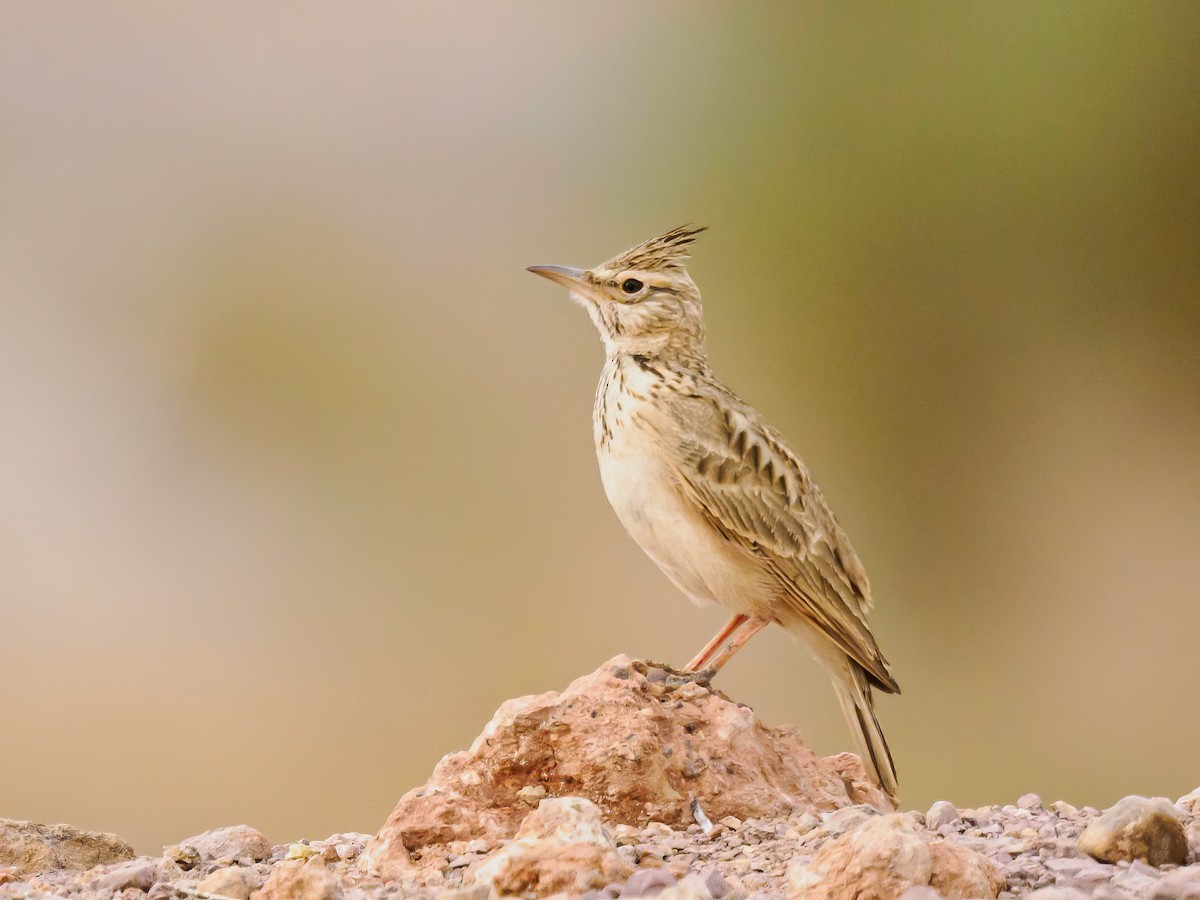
(702,657)
(755,626)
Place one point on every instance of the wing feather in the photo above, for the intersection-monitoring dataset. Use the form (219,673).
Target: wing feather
(759,495)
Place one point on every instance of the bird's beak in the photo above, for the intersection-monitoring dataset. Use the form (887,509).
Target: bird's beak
(571,278)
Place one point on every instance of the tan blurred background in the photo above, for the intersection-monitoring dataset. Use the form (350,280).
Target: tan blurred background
(296,473)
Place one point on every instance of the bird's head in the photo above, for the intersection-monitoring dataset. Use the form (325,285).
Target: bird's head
(643,301)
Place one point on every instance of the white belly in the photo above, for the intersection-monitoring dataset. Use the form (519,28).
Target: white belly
(672,531)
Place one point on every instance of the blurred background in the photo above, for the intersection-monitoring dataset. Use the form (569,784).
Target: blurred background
(296,470)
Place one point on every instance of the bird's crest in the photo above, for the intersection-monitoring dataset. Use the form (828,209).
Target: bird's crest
(667,251)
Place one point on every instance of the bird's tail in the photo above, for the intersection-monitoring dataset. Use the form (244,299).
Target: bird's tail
(854,693)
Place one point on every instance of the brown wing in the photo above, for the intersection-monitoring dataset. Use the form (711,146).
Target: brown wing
(758,494)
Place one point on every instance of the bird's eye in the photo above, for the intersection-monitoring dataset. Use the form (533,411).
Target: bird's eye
(631,285)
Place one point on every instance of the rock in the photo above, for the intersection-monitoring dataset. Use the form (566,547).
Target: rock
(186,858)
(961,872)
(691,887)
(641,749)
(647,882)
(1135,882)
(30,848)
(560,847)
(482,892)
(943,812)
(237,882)
(1181,884)
(1029,801)
(716,885)
(301,851)
(533,794)
(1137,828)
(845,819)
(921,892)
(1190,803)
(139,874)
(294,880)
(1079,872)
(1058,893)
(236,843)
(885,856)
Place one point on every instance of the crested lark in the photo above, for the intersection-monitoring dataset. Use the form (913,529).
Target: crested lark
(712,493)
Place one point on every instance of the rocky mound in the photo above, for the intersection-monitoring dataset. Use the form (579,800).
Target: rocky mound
(643,742)
(639,781)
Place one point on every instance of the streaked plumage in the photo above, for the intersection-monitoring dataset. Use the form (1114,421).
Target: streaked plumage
(711,492)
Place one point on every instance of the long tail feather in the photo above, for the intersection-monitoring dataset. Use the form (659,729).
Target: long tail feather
(854,694)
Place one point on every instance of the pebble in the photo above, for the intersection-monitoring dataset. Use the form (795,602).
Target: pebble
(236,843)
(1029,801)
(139,874)
(1179,884)
(294,880)
(846,818)
(943,813)
(533,794)
(624,835)
(716,884)
(654,852)
(646,883)
(1080,869)
(679,866)
(678,841)
(1190,803)
(236,882)
(301,851)
(1035,846)
(1137,828)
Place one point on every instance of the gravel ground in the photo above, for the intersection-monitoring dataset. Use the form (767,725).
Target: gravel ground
(1033,845)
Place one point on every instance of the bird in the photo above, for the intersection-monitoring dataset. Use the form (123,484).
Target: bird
(712,493)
